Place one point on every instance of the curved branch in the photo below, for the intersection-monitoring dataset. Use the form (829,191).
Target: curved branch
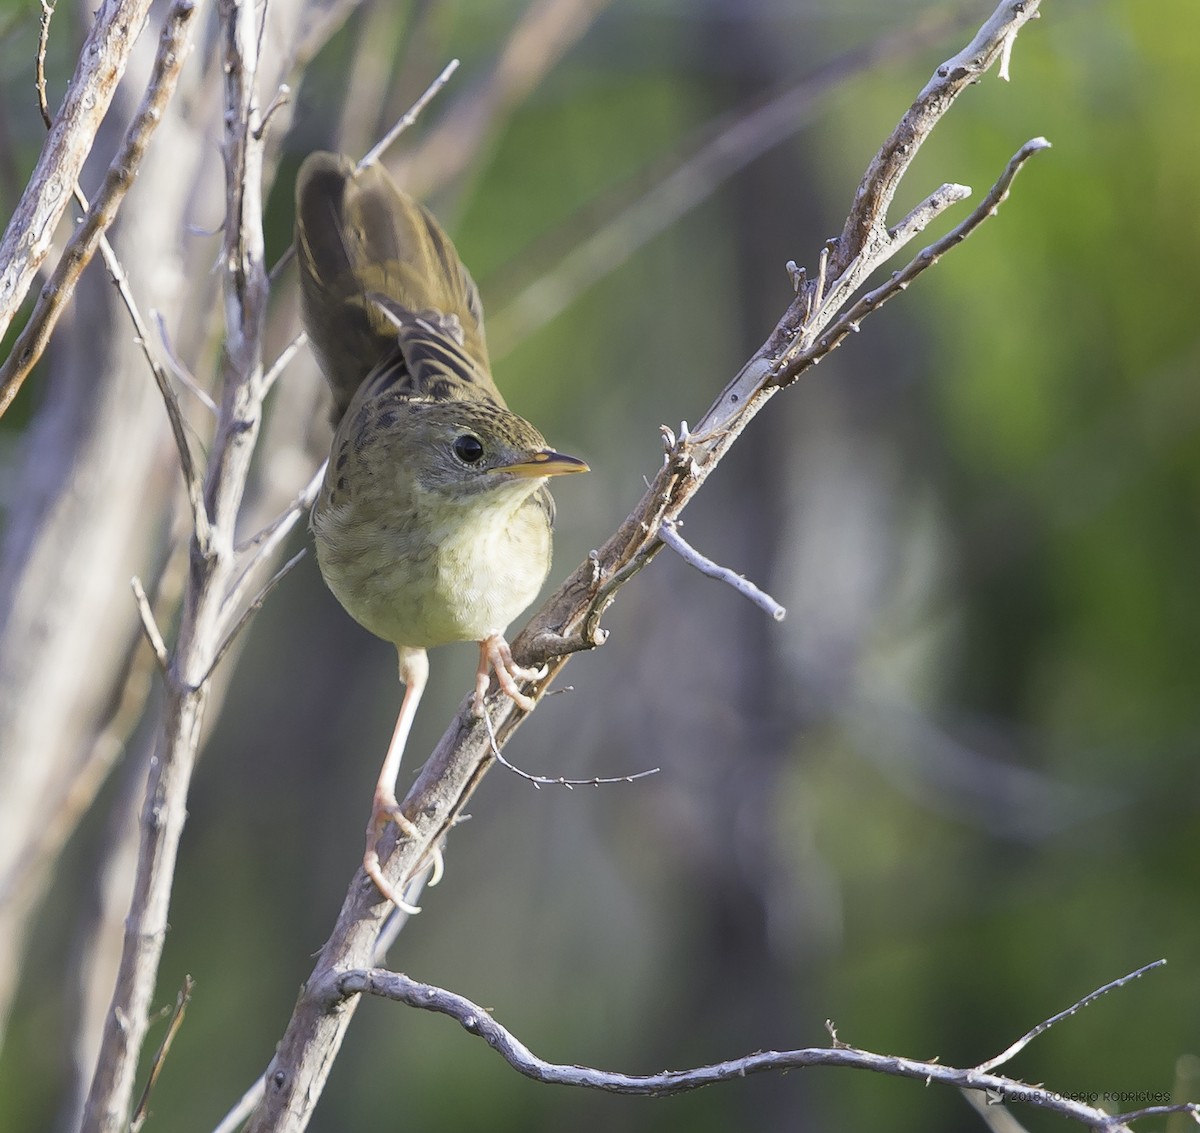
(479,1022)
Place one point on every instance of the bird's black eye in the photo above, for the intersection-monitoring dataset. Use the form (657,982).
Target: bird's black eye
(468,448)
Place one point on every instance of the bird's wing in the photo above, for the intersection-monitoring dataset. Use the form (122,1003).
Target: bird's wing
(384,293)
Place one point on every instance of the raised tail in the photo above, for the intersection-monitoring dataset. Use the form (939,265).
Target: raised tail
(376,268)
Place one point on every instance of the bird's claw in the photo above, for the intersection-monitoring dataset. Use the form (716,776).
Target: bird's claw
(496,656)
(383,811)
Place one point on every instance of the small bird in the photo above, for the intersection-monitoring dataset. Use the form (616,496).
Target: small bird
(434,520)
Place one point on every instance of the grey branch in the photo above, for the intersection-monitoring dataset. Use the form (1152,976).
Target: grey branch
(865,223)
(545,30)
(102,62)
(248,613)
(479,1022)
(849,322)
(264,544)
(540,781)
(409,118)
(280,364)
(181,372)
(1021,1043)
(80,249)
(149,624)
(669,534)
(213,566)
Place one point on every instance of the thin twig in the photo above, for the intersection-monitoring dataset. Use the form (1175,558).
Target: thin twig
(872,200)
(669,534)
(282,97)
(142,1110)
(248,1102)
(1091,997)
(149,624)
(925,213)
(281,362)
(243,1107)
(479,1022)
(411,115)
(181,372)
(212,566)
(405,122)
(1191,1109)
(540,781)
(264,542)
(175,415)
(545,30)
(729,145)
(47,15)
(848,322)
(249,612)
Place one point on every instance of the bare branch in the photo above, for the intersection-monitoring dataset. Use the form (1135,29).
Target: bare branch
(142,1111)
(1191,1109)
(1026,1039)
(540,781)
(849,322)
(546,30)
(57,292)
(251,610)
(180,371)
(285,356)
(479,1022)
(44,19)
(149,625)
(102,62)
(866,222)
(925,213)
(175,416)
(405,122)
(212,567)
(282,97)
(410,117)
(669,534)
(265,541)
(243,1107)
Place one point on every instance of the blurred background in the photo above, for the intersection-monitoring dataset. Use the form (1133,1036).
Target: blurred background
(954,791)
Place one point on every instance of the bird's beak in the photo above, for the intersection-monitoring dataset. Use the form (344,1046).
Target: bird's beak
(544,463)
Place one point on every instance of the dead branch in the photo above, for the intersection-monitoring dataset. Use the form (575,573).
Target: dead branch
(477,1021)
(57,292)
(203,626)
(101,64)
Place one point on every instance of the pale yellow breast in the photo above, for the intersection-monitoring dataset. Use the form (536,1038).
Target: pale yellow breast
(418,571)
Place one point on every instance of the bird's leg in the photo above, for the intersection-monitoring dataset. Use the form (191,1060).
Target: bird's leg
(414,671)
(494,654)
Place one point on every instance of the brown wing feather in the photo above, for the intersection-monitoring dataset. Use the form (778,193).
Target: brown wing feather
(383,290)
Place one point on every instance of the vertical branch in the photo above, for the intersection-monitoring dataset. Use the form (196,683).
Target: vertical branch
(213,571)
